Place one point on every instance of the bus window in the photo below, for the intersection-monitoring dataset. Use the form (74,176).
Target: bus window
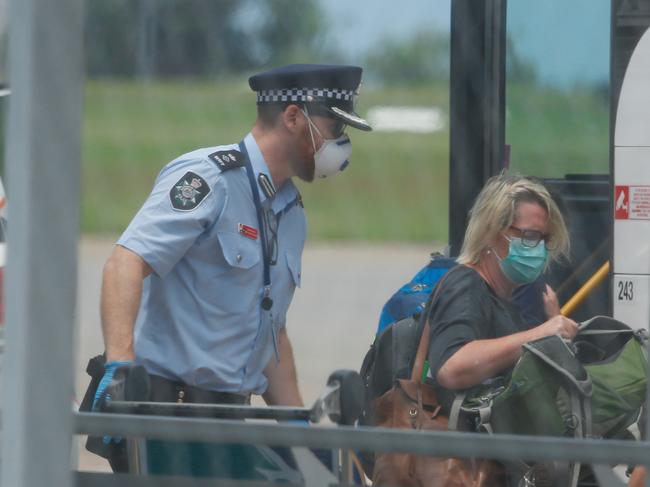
(557,91)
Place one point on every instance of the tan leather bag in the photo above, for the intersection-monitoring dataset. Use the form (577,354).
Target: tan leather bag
(412,404)
(638,477)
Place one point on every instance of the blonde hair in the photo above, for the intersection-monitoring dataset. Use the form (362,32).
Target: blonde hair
(495,209)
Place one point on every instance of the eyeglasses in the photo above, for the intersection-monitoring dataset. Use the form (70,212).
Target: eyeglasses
(271,223)
(336,127)
(532,238)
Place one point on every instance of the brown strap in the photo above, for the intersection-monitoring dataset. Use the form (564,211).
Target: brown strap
(420,356)
(423,346)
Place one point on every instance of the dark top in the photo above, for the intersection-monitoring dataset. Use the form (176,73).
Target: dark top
(530,302)
(465,309)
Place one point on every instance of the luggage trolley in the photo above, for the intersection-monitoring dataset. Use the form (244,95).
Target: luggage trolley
(341,401)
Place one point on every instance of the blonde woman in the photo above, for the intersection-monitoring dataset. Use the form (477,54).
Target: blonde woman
(515,230)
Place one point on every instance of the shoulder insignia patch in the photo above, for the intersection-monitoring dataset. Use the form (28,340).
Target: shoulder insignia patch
(188,192)
(227,159)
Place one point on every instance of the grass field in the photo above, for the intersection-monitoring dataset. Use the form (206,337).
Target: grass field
(396,188)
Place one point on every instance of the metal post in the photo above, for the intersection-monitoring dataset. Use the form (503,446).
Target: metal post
(146,48)
(133,447)
(346,476)
(477,104)
(43,166)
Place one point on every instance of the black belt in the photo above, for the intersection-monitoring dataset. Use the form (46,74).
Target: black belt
(165,390)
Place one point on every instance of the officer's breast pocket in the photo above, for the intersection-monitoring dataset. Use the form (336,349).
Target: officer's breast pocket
(236,287)
(238,251)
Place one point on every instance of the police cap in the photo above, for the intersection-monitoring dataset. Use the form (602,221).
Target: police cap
(332,87)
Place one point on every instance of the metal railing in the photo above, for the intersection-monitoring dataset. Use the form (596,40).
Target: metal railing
(434,443)
(599,454)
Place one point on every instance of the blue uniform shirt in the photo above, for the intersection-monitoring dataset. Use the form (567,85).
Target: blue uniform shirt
(200,320)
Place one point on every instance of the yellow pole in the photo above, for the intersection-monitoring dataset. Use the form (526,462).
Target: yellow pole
(577,299)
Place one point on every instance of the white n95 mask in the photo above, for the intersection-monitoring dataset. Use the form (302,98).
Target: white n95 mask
(332,156)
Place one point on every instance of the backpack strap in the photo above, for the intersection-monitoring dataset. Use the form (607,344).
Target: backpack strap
(579,406)
(454,414)
(423,346)
(421,354)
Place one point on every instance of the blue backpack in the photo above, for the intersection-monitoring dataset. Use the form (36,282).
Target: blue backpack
(412,297)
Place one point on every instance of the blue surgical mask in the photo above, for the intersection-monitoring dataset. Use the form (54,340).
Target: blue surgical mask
(523,264)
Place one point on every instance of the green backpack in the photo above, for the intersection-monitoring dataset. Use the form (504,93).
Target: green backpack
(616,364)
(592,387)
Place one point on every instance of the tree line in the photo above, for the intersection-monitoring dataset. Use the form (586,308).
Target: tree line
(207,38)
(129,38)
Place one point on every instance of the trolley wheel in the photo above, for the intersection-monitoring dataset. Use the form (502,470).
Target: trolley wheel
(350,396)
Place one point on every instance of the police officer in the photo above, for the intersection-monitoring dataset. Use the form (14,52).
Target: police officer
(198,286)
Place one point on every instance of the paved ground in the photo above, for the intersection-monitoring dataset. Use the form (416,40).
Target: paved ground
(331,322)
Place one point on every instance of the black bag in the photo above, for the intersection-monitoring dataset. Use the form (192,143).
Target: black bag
(116,454)
(389,358)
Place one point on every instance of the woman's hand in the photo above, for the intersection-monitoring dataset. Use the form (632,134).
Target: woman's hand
(551,304)
(558,325)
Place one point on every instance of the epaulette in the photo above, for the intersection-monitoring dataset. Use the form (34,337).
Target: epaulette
(297,201)
(227,159)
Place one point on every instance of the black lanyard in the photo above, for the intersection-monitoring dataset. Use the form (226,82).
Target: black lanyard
(267,302)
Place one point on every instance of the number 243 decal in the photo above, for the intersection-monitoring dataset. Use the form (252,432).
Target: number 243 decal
(625,290)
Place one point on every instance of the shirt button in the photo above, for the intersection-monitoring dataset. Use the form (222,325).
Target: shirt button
(238,257)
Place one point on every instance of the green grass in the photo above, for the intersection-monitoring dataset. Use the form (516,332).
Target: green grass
(132,129)
(396,188)
(556,133)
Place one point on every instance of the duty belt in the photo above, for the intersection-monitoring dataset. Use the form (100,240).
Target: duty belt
(165,390)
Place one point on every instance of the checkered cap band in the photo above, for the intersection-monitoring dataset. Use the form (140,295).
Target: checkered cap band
(302,94)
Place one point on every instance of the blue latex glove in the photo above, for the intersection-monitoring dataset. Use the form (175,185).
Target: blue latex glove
(109,373)
(298,422)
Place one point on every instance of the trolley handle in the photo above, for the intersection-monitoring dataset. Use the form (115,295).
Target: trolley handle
(341,401)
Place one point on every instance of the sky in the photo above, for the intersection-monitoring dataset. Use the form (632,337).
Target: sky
(567,40)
